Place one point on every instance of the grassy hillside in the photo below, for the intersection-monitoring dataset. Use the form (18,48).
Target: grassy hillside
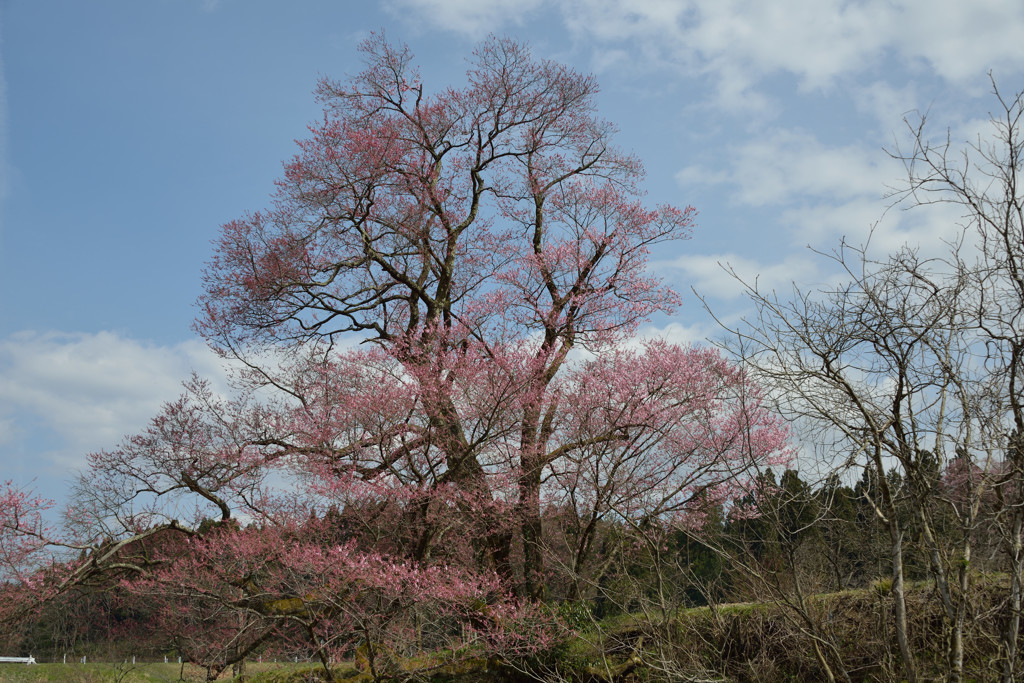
(747,642)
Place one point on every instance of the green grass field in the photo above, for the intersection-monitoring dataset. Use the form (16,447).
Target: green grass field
(108,673)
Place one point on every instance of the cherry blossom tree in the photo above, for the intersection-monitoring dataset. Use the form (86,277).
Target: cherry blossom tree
(476,239)
(21,517)
(434,324)
(687,427)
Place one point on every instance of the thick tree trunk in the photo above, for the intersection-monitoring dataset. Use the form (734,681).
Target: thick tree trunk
(500,543)
(533,438)
(532,530)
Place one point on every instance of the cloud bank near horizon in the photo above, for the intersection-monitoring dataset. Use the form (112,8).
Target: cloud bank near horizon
(87,391)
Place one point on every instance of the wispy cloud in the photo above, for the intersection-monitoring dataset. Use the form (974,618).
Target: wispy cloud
(678,333)
(726,276)
(86,391)
(815,40)
(818,193)
(789,165)
(737,43)
(886,102)
(469,17)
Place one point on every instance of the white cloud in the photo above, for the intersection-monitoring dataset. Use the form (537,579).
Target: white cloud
(821,225)
(678,333)
(961,41)
(886,102)
(88,390)
(736,43)
(721,276)
(816,40)
(821,193)
(927,228)
(469,17)
(789,165)
(699,175)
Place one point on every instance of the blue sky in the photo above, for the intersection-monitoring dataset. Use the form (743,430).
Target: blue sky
(130,130)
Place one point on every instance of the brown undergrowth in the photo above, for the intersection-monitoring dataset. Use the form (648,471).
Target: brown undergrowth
(745,643)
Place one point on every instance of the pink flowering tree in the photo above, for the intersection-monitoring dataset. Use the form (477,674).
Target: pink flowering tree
(481,240)
(23,548)
(288,590)
(487,245)
(663,433)
(24,536)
